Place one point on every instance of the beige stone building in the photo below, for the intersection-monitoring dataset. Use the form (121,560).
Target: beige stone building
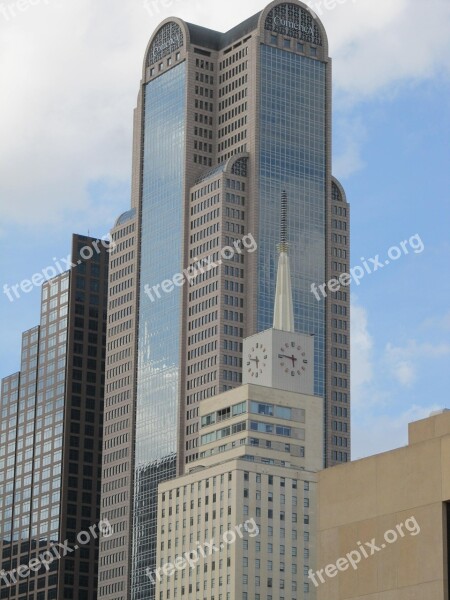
(394,506)
(253,492)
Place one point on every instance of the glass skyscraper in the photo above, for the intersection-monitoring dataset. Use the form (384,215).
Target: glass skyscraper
(224,122)
(51,436)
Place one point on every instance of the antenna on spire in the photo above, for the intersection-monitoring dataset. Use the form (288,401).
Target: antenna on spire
(283,314)
(283,246)
(283,239)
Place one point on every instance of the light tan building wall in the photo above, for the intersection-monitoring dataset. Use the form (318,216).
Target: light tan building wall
(387,499)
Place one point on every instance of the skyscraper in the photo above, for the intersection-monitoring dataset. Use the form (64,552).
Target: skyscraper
(51,437)
(224,122)
(260,449)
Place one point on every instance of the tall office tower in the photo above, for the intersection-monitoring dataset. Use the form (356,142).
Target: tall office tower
(259,453)
(51,437)
(119,415)
(224,122)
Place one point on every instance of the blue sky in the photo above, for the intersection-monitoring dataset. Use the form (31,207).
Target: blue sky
(69,75)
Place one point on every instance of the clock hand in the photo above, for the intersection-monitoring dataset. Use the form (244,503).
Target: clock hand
(290,358)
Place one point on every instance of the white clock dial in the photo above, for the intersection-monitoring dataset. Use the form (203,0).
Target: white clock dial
(293,359)
(256,360)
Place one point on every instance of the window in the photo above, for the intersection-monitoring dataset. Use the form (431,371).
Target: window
(273,39)
(313,51)
(286,43)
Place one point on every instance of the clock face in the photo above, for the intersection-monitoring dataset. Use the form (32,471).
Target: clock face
(256,360)
(293,360)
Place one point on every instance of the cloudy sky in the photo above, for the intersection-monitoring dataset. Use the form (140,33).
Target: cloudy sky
(69,75)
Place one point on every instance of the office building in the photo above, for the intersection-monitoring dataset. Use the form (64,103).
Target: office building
(119,415)
(51,435)
(394,505)
(260,450)
(224,122)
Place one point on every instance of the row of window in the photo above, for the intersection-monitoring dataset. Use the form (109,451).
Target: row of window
(234,57)
(206,218)
(233,72)
(161,65)
(203,160)
(231,141)
(204,77)
(202,350)
(205,190)
(204,64)
(287,44)
(201,365)
(204,204)
(203,291)
(234,112)
(233,126)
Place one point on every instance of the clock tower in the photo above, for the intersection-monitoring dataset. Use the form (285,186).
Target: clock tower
(279,357)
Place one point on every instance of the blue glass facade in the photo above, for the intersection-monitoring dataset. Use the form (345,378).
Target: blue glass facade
(293,157)
(159,321)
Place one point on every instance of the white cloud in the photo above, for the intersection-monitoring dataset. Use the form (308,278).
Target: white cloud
(361,351)
(403,361)
(380,412)
(374,433)
(438,323)
(349,158)
(70,71)
(376,44)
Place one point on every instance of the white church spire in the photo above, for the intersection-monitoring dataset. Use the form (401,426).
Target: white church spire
(283,314)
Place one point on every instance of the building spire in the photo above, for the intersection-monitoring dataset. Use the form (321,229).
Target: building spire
(283,314)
